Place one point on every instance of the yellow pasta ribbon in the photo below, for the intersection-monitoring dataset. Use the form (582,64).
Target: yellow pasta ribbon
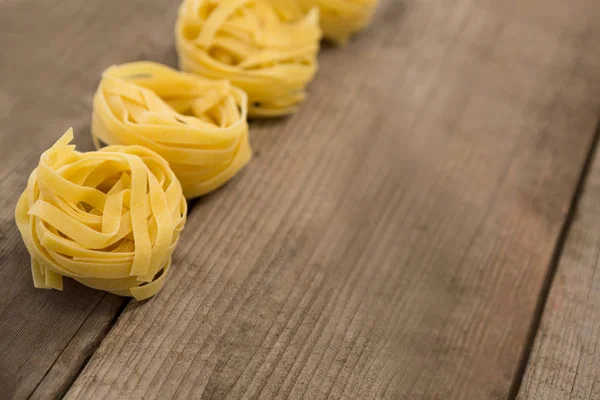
(198,125)
(266,47)
(340,19)
(109,219)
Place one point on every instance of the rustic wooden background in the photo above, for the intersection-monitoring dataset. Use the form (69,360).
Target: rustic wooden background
(426,227)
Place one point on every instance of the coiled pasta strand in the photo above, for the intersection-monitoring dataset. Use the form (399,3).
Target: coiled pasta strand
(198,125)
(109,219)
(340,19)
(266,47)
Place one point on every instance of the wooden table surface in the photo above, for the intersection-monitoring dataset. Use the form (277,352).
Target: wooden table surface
(426,227)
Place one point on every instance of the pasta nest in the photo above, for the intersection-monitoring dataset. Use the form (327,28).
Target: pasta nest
(342,18)
(198,125)
(266,47)
(109,219)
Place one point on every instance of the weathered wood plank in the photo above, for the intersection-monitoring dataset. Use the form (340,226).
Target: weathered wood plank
(565,360)
(391,239)
(564,363)
(51,57)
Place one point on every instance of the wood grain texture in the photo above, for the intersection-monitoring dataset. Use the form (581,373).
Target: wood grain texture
(51,57)
(565,360)
(391,239)
(564,363)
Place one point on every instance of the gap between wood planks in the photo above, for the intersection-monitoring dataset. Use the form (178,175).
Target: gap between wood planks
(67,385)
(553,266)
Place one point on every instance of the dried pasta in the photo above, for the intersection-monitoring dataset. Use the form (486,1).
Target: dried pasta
(198,125)
(266,47)
(109,219)
(342,18)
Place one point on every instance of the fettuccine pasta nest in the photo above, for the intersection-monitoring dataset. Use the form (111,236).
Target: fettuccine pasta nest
(198,125)
(266,47)
(109,219)
(342,18)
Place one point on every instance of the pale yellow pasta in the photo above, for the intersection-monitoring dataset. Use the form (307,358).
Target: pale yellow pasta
(266,47)
(109,219)
(342,18)
(198,125)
